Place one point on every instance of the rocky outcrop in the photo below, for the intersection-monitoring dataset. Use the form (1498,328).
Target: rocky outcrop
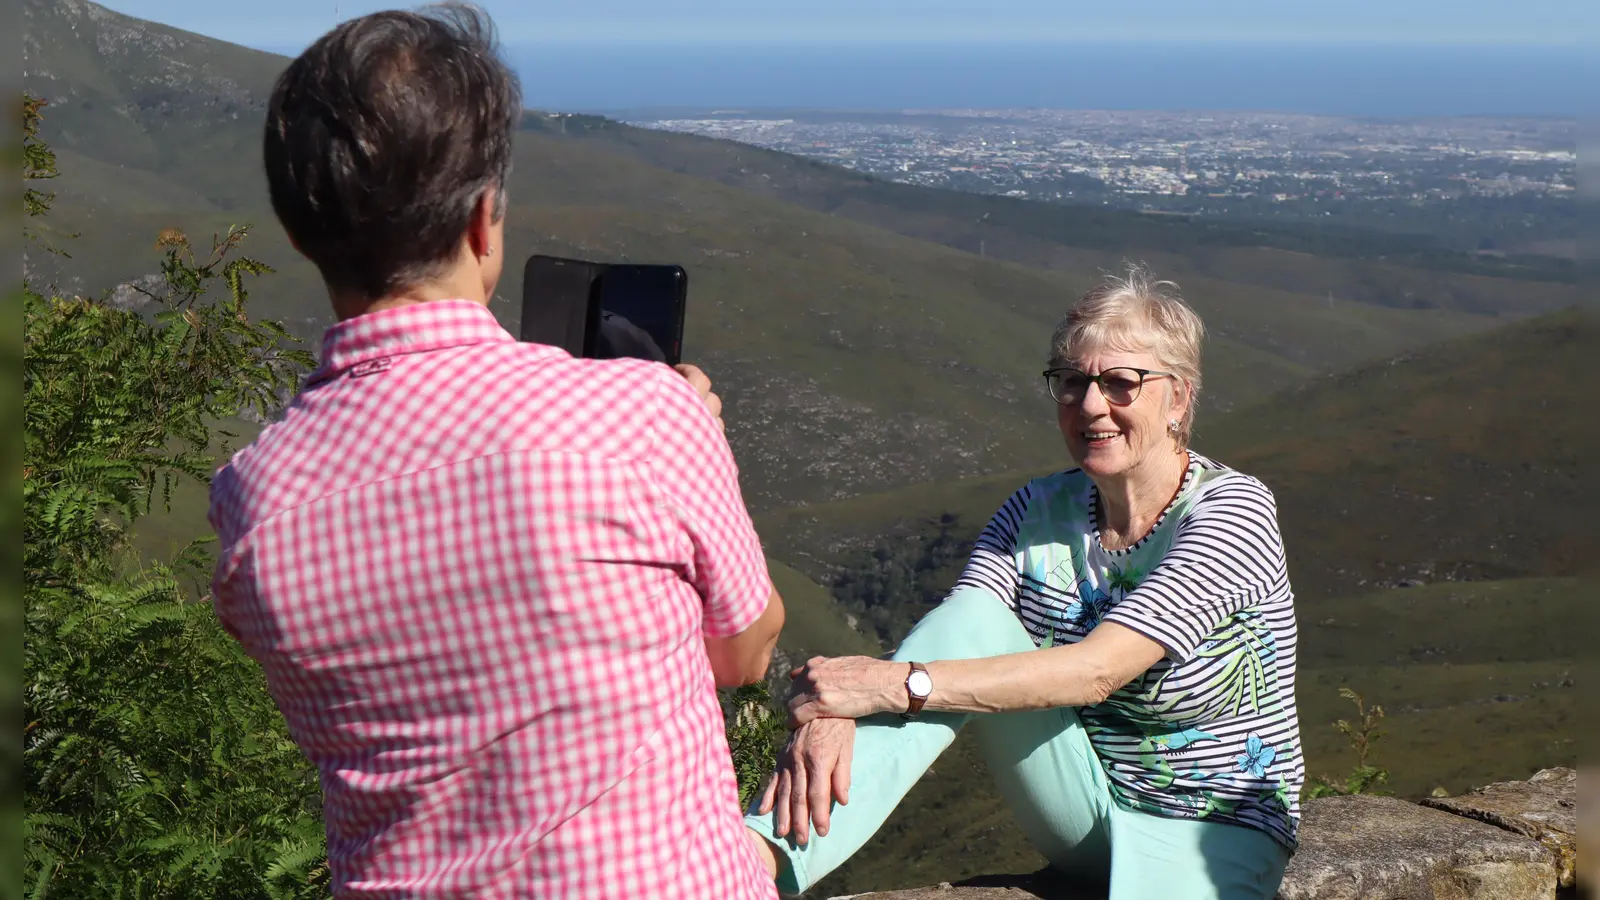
(1544,808)
(1358,847)
(1508,841)
(948,892)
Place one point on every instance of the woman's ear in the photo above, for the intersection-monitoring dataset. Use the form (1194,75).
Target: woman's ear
(481,230)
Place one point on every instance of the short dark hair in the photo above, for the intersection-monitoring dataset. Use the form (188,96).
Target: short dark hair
(381,138)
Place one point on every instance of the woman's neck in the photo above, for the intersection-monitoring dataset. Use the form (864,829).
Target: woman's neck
(458,283)
(1131,503)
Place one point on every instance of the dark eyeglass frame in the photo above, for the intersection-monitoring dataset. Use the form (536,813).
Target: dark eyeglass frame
(1049,382)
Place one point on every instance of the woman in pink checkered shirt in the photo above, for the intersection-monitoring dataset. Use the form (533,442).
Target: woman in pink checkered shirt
(493,588)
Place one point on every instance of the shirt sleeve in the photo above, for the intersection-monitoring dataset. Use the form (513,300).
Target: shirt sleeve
(1227,555)
(993,564)
(220,514)
(694,468)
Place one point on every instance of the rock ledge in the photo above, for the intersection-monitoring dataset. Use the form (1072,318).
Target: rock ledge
(1512,840)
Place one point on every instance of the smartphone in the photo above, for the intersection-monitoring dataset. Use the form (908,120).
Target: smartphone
(556,296)
(605,311)
(638,310)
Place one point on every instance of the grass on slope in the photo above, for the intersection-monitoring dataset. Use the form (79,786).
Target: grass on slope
(1464,460)
(1476,678)
(813,623)
(1459,461)
(148,96)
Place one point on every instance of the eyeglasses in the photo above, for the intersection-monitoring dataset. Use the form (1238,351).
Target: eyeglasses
(1120,385)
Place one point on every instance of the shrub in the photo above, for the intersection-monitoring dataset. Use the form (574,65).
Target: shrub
(154,762)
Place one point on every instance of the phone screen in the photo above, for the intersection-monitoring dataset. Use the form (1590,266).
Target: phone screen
(639,313)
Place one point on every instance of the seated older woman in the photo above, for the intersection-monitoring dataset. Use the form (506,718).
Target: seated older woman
(1123,637)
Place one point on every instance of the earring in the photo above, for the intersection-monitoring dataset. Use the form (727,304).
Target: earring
(489,251)
(1174,428)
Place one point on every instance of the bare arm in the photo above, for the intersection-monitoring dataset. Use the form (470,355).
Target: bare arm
(743,658)
(1080,674)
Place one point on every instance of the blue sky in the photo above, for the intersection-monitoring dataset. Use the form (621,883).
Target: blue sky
(291,24)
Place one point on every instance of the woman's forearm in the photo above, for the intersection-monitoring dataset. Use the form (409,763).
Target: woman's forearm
(1037,679)
(1080,674)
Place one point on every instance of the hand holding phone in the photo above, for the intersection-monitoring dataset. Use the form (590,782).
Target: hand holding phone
(702,386)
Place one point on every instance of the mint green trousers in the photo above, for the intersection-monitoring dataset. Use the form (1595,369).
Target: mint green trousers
(1048,774)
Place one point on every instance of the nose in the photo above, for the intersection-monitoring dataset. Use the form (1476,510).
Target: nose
(1094,402)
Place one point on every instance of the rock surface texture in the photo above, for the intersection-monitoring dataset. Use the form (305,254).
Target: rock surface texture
(1544,808)
(1511,840)
(1360,847)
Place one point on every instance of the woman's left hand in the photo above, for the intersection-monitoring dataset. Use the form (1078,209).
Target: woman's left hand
(846,687)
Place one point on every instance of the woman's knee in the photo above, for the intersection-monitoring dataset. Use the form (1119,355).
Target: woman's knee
(1187,859)
(970,623)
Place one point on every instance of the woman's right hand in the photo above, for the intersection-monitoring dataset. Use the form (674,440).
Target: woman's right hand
(813,770)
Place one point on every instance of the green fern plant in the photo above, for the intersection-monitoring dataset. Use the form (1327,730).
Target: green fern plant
(754,731)
(154,763)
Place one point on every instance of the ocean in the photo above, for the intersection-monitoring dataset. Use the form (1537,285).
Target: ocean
(1381,80)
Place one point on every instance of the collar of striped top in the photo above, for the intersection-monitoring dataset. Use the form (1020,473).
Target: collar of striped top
(417,328)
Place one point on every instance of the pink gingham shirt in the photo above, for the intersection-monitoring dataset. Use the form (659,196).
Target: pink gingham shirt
(478,574)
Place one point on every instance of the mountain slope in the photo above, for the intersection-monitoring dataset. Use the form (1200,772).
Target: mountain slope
(854,359)
(145,96)
(1461,461)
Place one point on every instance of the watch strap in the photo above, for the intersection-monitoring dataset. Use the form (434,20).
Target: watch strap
(914,703)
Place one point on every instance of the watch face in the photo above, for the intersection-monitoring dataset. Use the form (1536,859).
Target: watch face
(919,684)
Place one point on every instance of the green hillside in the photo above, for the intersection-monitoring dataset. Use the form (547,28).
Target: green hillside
(150,98)
(854,356)
(813,623)
(1461,461)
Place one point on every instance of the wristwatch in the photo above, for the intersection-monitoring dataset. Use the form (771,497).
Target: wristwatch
(919,685)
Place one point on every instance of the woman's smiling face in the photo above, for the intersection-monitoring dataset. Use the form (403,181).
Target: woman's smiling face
(1107,440)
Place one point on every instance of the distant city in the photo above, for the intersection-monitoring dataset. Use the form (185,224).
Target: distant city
(1190,162)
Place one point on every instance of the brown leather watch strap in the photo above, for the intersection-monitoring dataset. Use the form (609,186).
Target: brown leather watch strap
(914,703)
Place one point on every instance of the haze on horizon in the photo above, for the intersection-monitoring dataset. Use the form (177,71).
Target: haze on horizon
(290,24)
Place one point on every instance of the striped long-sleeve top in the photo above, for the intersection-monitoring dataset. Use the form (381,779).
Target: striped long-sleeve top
(1211,730)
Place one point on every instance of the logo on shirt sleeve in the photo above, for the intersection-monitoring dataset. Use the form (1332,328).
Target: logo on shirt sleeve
(371,367)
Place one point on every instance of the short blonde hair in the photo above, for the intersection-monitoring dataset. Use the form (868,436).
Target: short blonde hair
(1136,313)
